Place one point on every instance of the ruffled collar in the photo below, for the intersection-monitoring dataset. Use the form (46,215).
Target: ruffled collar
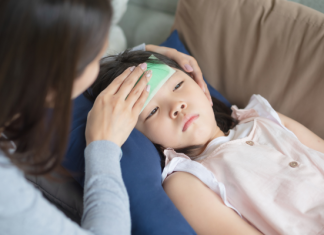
(239,114)
(170,154)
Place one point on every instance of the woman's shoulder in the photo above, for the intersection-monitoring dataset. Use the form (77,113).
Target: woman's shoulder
(12,179)
(10,175)
(3,157)
(5,164)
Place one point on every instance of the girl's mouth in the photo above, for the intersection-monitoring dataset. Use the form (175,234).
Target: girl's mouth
(189,121)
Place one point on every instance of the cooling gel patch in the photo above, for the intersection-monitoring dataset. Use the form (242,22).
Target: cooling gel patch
(160,74)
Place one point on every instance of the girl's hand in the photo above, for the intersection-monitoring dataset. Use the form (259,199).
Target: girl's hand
(188,63)
(112,117)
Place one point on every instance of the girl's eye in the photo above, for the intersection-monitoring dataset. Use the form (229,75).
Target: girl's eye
(156,109)
(153,112)
(177,86)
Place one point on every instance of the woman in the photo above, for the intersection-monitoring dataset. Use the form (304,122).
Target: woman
(50,52)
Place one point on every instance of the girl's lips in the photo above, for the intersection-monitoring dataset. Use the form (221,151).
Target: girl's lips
(189,121)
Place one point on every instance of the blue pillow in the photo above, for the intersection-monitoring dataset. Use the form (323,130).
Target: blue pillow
(152,212)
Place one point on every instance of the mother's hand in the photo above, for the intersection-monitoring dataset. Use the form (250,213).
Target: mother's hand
(112,116)
(187,62)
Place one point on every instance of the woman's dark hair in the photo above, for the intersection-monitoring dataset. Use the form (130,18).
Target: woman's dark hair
(112,66)
(44,46)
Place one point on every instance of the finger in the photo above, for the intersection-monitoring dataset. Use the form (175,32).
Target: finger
(209,96)
(184,61)
(191,66)
(139,104)
(199,80)
(198,77)
(188,68)
(130,81)
(194,73)
(204,87)
(89,114)
(117,82)
(138,89)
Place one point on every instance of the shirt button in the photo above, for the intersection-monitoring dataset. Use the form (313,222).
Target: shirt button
(250,143)
(293,164)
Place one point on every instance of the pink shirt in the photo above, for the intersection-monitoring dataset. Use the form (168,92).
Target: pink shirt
(263,172)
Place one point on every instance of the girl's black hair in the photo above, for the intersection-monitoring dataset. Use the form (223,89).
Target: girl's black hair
(112,66)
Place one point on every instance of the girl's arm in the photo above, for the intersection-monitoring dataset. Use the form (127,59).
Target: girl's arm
(304,135)
(202,208)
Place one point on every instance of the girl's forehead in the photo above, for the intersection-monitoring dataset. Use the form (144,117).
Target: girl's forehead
(171,81)
(169,84)
(174,76)
(177,75)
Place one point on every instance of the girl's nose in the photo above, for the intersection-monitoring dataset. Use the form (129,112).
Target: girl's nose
(178,108)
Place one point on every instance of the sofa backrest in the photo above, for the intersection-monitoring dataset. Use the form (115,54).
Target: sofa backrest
(271,47)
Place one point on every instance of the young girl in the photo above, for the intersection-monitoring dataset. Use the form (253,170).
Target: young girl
(243,171)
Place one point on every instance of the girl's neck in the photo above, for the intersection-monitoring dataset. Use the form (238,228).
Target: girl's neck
(218,133)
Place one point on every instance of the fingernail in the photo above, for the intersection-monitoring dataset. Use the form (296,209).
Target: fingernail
(211,102)
(132,68)
(148,87)
(188,67)
(148,74)
(204,89)
(143,66)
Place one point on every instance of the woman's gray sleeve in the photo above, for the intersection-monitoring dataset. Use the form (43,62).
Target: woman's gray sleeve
(106,204)
(23,209)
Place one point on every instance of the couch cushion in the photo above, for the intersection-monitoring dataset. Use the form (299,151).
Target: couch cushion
(315,4)
(271,47)
(142,24)
(117,38)
(168,6)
